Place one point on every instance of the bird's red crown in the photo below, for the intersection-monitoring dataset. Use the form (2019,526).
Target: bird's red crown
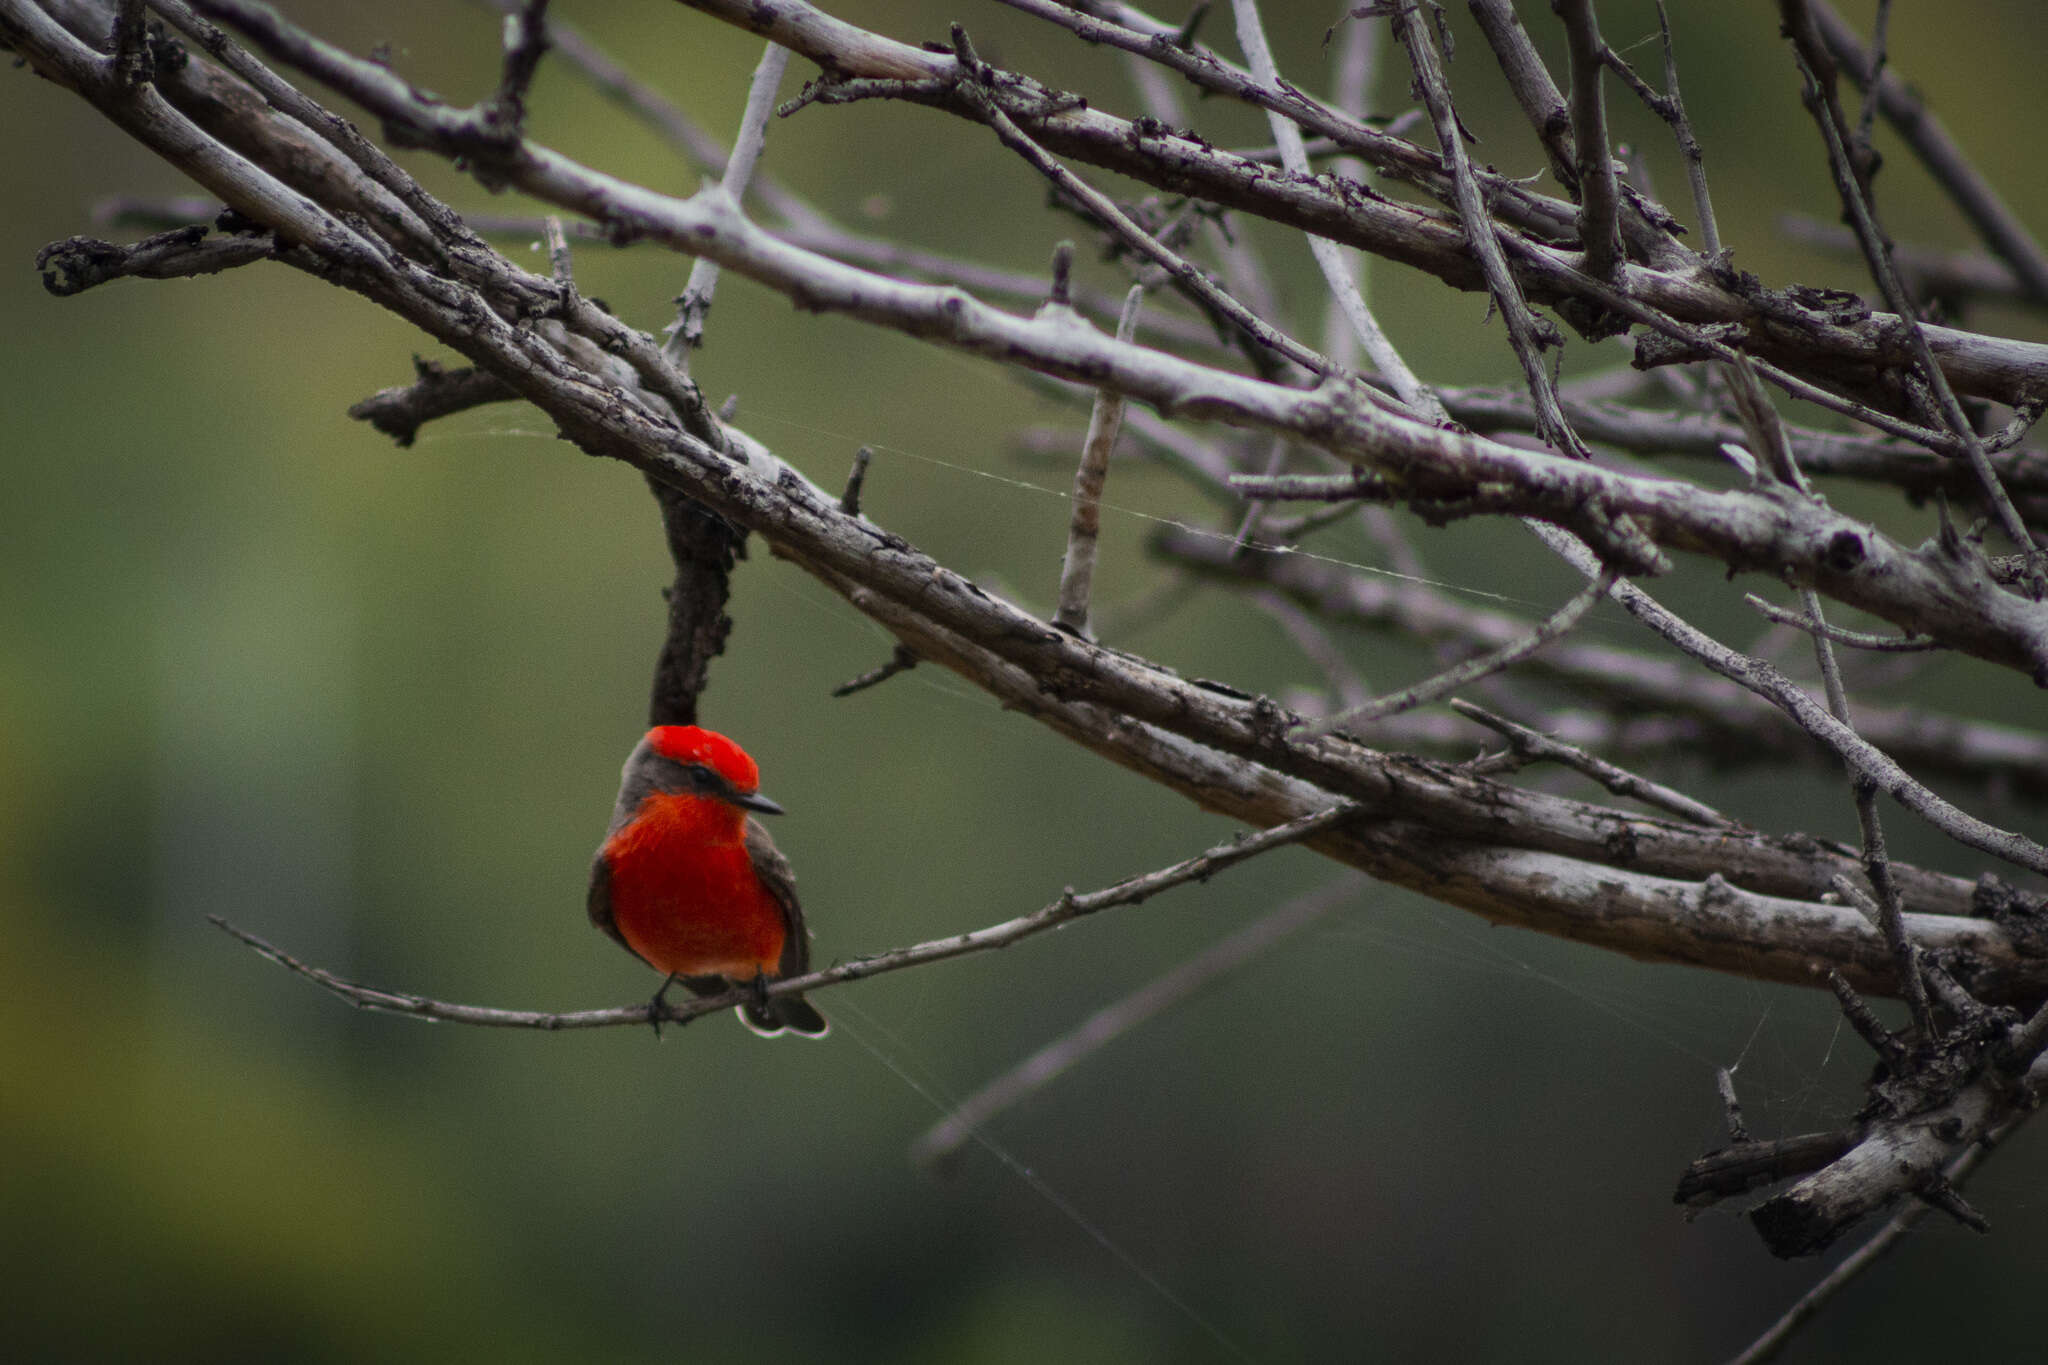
(694,744)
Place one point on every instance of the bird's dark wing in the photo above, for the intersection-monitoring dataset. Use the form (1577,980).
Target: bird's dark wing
(773,870)
(599,901)
(791,1012)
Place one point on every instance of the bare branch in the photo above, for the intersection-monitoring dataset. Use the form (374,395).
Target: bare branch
(441,1011)
(1894,1158)
(1527,333)
(77,264)
(1530,745)
(901,660)
(1909,466)
(1179,267)
(1869,762)
(1529,80)
(1774,1339)
(1070,906)
(1251,36)
(1713,894)
(1709,713)
(1767,438)
(945,1138)
(1780,326)
(437,393)
(1559,623)
(686,333)
(1599,197)
(1854,188)
(1855,639)
(526,42)
(1308,636)
(1105,423)
(1999,226)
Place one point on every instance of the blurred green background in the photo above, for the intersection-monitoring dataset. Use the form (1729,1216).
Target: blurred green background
(370,703)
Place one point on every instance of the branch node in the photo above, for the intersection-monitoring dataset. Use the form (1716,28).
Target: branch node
(1062,275)
(1940,1194)
(1868,1026)
(1724,1082)
(849,501)
(526,42)
(901,661)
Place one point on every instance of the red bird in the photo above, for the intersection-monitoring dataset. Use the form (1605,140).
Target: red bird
(690,885)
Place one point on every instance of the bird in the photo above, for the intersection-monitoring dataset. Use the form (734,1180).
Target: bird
(690,884)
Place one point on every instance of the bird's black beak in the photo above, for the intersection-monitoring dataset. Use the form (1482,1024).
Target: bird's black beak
(756,801)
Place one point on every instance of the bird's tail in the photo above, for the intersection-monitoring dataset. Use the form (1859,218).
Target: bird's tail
(766,1015)
(784,1014)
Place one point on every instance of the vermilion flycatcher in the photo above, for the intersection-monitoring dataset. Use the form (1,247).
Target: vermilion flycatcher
(692,886)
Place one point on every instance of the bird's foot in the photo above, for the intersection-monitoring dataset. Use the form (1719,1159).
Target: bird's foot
(657,1008)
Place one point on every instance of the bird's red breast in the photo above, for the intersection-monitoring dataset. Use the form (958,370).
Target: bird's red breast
(684,893)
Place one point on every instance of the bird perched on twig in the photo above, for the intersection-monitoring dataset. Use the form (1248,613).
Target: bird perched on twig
(691,885)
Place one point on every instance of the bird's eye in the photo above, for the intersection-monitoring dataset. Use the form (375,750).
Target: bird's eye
(701,771)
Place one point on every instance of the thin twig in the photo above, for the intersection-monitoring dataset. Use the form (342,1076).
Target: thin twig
(1670,106)
(1354,65)
(1105,422)
(1855,639)
(1531,83)
(1994,220)
(1767,682)
(1620,781)
(1655,702)
(1248,524)
(1330,257)
(903,659)
(1599,196)
(1451,679)
(1105,210)
(686,333)
(1731,1107)
(441,1011)
(1766,434)
(526,42)
(1528,334)
(1315,643)
(1113,1021)
(1866,120)
(1877,864)
(856,480)
(1069,906)
(1877,251)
